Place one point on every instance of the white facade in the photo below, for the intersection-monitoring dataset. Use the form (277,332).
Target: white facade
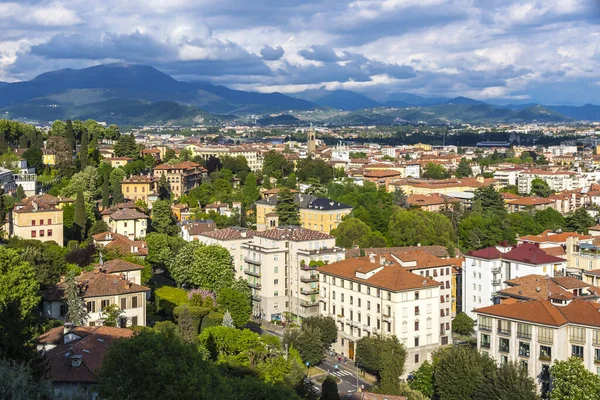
(413,171)
(562,150)
(132,228)
(558,181)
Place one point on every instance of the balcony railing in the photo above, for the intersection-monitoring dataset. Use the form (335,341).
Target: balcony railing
(252,273)
(504,348)
(251,261)
(254,285)
(307,267)
(366,327)
(309,291)
(485,345)
(305,303)
(504,332)
(256,298)
(386,318)
(310,279)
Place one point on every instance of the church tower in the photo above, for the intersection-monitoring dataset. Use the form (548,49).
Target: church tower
(311,142)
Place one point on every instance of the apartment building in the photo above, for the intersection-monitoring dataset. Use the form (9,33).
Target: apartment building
(370,295)
(508,176)
(99,289)
(557,180)
(192,229)
(443,186)
(140,187)
(39,217)
(253,156)
(485,271)
(536,333)
(129,222)
(232,239)
(316,213)
(181,177)
(281,269)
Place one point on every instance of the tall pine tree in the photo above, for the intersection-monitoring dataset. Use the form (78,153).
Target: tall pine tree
(70,134)
(83,150)
(79,219)
(286,208)
(163,188)
(76,311)
(105,193)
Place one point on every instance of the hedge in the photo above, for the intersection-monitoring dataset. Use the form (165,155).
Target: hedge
(168,297)
(212,319)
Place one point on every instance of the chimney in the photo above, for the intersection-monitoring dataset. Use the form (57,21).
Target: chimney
(382,260)
(243,234)
(372,258)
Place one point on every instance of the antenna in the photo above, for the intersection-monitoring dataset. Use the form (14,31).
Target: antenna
(548,283)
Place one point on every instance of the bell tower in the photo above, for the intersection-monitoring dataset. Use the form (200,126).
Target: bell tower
(311,141)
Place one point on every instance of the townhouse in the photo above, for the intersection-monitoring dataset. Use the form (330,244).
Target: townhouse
(39,217)
(140,187)
(181,177)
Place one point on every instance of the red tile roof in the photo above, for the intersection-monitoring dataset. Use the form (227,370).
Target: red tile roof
(489,253)
(530,254)
(295,234)
(118,265)
(229,234)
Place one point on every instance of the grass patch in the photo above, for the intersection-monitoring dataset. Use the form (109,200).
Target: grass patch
(315,371)
(321,378)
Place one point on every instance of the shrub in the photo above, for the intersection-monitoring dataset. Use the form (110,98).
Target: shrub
(168,297)
(212,319)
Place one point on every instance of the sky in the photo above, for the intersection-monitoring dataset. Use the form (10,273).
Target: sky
(508,51)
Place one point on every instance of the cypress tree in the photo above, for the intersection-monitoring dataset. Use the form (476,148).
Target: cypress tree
(83,151)
(105,193)
(163,188)
(70,134)
(79,219)
(286,208)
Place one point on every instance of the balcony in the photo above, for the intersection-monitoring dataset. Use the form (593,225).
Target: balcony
(308,267)
(305,303)
(251,261)
(252,273)
(485,345)
(387,318)
(323,300)
(254,285)
(355,324)
(309,291)
(256,298)
(504,348)
(310,279)
(496,282)
(366,327)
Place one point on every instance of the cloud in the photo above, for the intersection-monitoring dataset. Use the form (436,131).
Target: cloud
(271,53)
(319,53)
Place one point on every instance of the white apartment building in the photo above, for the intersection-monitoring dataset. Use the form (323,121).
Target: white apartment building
(562,150)
(253,156)
(368,296)
(558,181)
(232,239)
(486,270)
(281,269)
(537,332)
(508,176)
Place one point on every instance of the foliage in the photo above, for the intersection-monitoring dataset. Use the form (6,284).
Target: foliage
(422,379)
(76,310)
(400,198)
(579,221)
(162,218)
(540,187)
(307,341)
(490,199)
(509,381)
(235,164)
(18,382)
(435,171)
(168,297)
(82,256)
(329,389)
(187,328)
(213,318)
(409,228)
(309,168)
(87,181)
(98,226)
(116,176)
(286,208)
(111,315)
(62,154)
(351,232)
(464,169)
(164,192)
(326,326)
(275,165)
(79,220)
(571,380)
(206,266)
(162,248)
(463,324)
(126,147)
(549,219)
(478,231)
(47,257)
(237,305)
(34,157)
(250,190)
(384,357)
(17,282)
(411,394)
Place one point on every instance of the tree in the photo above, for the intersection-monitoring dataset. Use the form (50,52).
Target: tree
(350,232)
(227,320)
(83,149)
(162,248)
(126,147)
(105,192)
(205,266)
(116,177)
(19,194)
(409,228)
(79,220)
(509,381)
(287,208)
(86,181)
(70,135)
(236,303)
(422,379)
(307,341)
(111,315)
(275,165)
(169,155)
(329,389)
(478,231)
(162,218)
(213,164)
(314,168)
(18,382)
(549,219)
(579,221)
(435,171)
(250,190)
(490,199)
(34,158)
(326,326)
(463,325)
(464,169)
(187,329)
(63,154)
(571,380)
(540,187)
(400,198)
(17,282)
(164,192)
(76,310)
(384,357)
(98,226)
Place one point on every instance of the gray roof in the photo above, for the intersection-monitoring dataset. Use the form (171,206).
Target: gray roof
(308,201)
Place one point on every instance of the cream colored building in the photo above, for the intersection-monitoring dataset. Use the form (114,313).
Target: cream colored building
(40,218)
(140,187)
(443,186)
(232,239)
(253,157)
(557,180)
(536,333)
(370,295)
(129,222)
(181,177)
(316,213)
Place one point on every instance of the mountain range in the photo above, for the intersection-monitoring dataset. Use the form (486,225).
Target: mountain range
(138,94)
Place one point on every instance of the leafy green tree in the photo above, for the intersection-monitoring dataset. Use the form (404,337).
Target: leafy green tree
(571,380)
(19,194)
(169,155)
(34,158)
(411,394)
(490,199)
(17,282)
(187,329)
(384,357)
(478,231)
(76,310)
(509,381)
(162,248)
(329,389)
(400,198)
(350,232)
(238,304)
(540,187)
(162,218)
(549,219)
(326,326)
(409,228)
(307,341)
(105,192)
(83,150)
(464,169)
(435,171)
(87,181)
(63,153)
(314,168)
(422,379)
(164,193)
(275,165)
(111,315)
(98,226)
(70,135)
(48,258)
(463,325)
(126,147)
(286,208)
(250,190)
(579,221)
(235,164)
(459,371)
(79,221)
(204,266)
(18,382)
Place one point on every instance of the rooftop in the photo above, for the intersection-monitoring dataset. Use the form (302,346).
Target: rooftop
(295,233)
(96,283)
(127,214)
(230,234)
(118,265)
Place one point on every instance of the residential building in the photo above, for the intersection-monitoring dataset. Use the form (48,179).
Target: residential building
(485,271)
(508,176)
(430,202)
(140,187)
(7,181)
(192,229)
(48,157)
(117,162)
(28,181)
(122,244)
(532,203)
(367,295)
(281,269)
(444,186)
(316,213)
(557,180)
(129,222)
(39,217)
(124,269)
(232,239)
(181,177)
(536,333)
(153,152)
(99,289)
(74,356)
(253,156)
(558,290)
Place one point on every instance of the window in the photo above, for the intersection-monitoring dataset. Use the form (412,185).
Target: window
(524,365)
(134,321)
(33,222)
(368,305)
(503,327)
(545,335)
(123,303)
(275,281)
(485,323)
(41,233)
(276,293)
(524,331)
(416,358)
(577,351)
(368,290)
(577,334)
(333,294)
(125,224)
(49,232)
(351,300)
(523,349)
(503,360)
(276,270)
(378,308)
(91,306)
(134,302)
(416,295)
(41,222)
(429,323)
(33,234)
(545,353)
(417,310)
(416,326)
(416,342)
(342,297)
(504,345)
(49,221)
(485,341)
(359,302)
(596,337)
(104,304)
(369,321)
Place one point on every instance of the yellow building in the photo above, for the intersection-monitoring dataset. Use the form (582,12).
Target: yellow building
(316,213)
(117,162)
(48,157)
(40,218)
(443,186)
(140,187)
(181,177)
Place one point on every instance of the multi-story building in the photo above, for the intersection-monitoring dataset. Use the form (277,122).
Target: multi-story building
(122,244)
(557,180)
(485,271)
(281,269)
(192,229)
(181,177)
(232,239)
(7,181)
(443,186)
(368,296)
(39,217)
(316,213)
(140,187)
(508,176)
(538,332)
(253,156)
(129,222)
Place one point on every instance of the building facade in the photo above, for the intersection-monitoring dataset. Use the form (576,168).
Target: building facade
(129,222)
(39,218)
(140,187)
(181,177)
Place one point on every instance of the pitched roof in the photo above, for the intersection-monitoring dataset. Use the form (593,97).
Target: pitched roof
(128,246)
(127,214)
(435,250)
(118,265)
(91,346)
(530,254)
(390,277)
(529,201)
(198,227)
(421,258)
(554,251)
(308,201)
(427,199)
(296,234)
(489,253)
(549,236)
(95,284)
(535,287)
(229,234)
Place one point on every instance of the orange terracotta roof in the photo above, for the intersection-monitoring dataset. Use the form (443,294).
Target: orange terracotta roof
(296,234)
(118,265)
